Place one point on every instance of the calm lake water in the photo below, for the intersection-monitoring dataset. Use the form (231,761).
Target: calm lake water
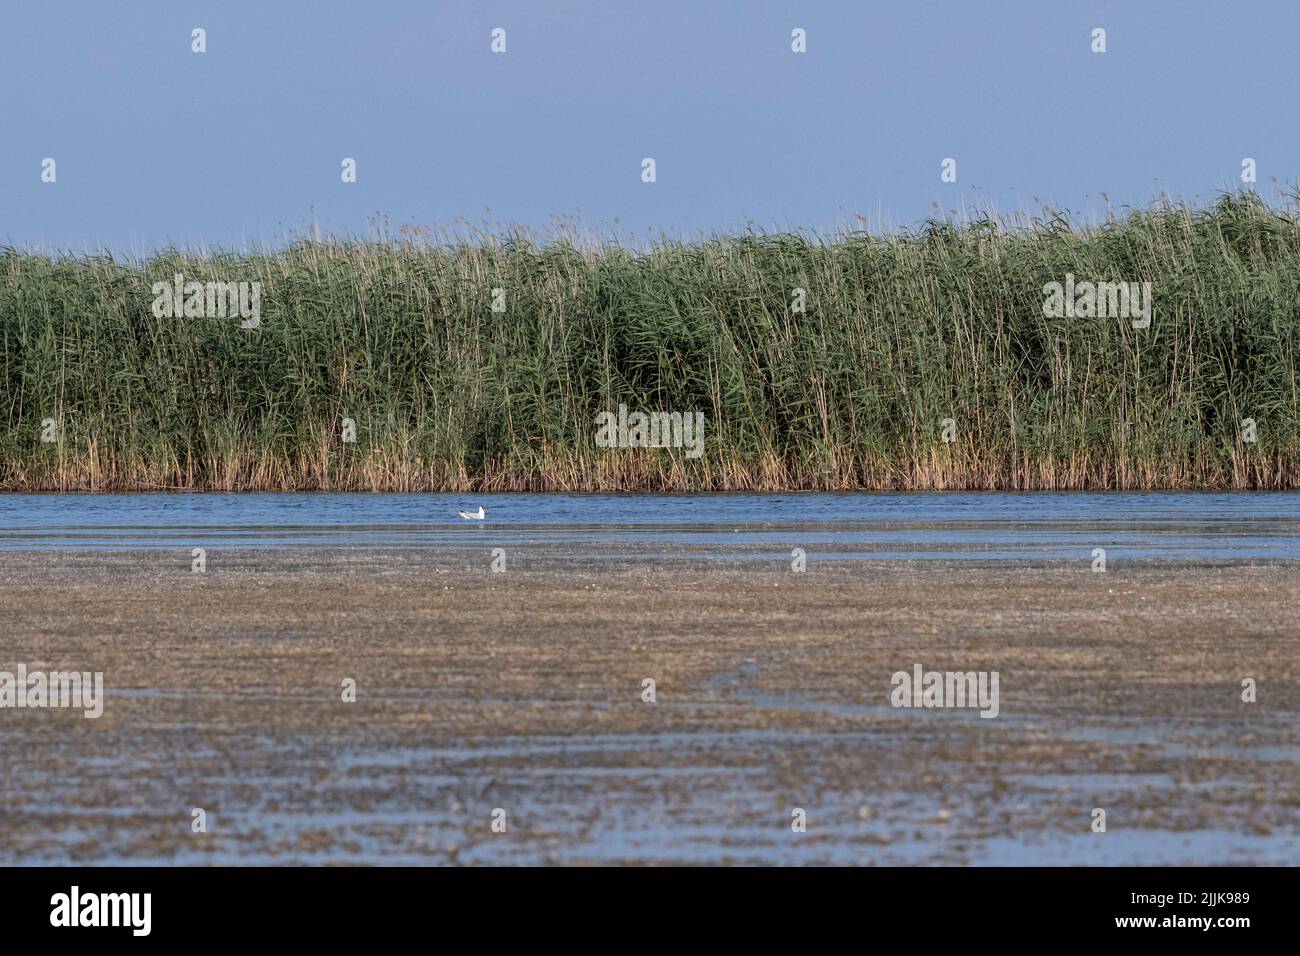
(983,526)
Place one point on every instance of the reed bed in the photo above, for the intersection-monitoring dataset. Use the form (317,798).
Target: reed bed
(900,332)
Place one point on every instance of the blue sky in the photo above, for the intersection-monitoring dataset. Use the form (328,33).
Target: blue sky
(157,145)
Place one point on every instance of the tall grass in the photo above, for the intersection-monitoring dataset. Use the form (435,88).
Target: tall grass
(901,331)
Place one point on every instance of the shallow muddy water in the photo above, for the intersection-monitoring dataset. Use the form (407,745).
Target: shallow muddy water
(522,690)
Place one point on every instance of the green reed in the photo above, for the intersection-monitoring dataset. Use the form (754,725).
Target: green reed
(900,332)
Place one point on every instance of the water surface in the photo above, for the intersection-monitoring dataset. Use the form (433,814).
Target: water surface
(984,526)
